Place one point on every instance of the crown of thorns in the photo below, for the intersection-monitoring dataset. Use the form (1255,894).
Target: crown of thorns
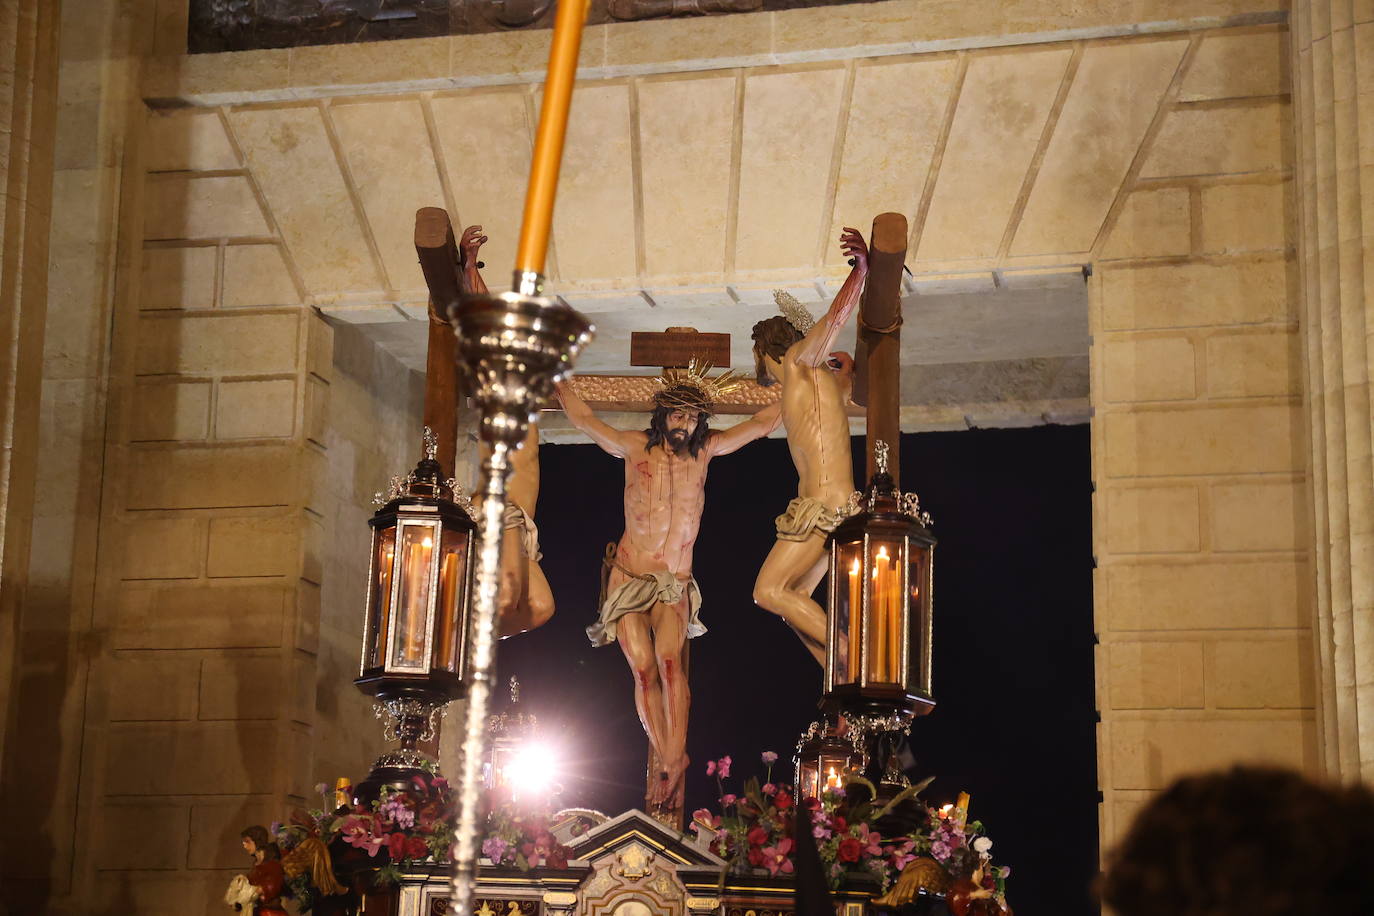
(796,314)
(691,389)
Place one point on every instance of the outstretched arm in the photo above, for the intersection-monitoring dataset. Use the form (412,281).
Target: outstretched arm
(472,241)
(814,348)
(613,441)
(756,427)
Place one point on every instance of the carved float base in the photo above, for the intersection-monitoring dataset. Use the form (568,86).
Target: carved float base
(630,865)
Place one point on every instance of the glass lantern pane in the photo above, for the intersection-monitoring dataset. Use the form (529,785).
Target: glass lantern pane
(379,614)
(453,567)
(918,593)
(411,626)
(501,753)
(807,784)
(847,610)
(884,620)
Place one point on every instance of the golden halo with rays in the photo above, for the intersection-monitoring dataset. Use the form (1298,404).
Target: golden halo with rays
(691,389)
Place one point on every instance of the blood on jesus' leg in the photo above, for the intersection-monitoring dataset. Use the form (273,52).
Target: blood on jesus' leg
(636,640)
(669,623)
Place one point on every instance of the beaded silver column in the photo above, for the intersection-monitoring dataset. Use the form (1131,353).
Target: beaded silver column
(514,346)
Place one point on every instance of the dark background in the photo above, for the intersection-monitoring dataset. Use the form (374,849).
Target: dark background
(1013,675)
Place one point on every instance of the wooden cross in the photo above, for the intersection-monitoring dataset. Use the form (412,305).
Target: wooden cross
(878,356)
(438,252)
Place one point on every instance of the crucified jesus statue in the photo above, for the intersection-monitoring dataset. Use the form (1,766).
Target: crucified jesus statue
(524,599)
(651,602)
(794,351)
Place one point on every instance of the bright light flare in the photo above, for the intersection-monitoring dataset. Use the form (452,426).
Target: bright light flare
(533,769)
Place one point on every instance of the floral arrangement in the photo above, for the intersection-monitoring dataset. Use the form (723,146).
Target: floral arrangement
(755,828)
(413,825)
(522,840)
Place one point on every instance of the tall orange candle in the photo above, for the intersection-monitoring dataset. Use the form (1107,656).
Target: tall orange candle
(882,597)
(892,619)
(548,140)
(854,630)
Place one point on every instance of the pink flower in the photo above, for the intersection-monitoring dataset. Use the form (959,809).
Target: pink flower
(775,858)
(769,758)
(703,818)
(723,767)
(874,847)
(768,788)
(710,768)
(940,850)
(357,832)
(900,860)
(820,832)
(728,799)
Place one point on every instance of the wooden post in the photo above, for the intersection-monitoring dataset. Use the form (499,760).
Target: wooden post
(438,252)
(878,356)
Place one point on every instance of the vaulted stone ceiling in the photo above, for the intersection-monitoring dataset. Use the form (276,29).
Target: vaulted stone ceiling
(687,197)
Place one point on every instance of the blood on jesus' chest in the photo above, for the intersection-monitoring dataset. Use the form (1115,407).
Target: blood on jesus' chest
(663,483)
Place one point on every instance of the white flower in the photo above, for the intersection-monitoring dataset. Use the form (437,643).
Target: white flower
(982,845)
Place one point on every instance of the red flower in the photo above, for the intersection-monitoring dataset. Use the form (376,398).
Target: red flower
(428,816)
(849,849)
(757,836)
(782,801)
(396,846)
(811,804)
(416,848)
(839,823)
(756,857)
(558,857)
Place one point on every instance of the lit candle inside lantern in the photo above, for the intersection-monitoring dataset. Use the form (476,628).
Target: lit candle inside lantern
(832,780)
(548,140)
(417,565)
(892,619)
(448,594)
(385,565)
(850,674)
(882,609)
(945,810)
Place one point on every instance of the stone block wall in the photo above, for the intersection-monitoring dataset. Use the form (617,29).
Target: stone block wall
(1203,584)
(171,639)
(86,102)
(28,81)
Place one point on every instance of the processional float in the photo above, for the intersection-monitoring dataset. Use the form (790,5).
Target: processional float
(430,638)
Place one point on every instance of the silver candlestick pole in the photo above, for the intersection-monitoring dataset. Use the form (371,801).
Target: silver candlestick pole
(514,347)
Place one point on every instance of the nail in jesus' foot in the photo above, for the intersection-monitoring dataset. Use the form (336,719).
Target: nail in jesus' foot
(660,789)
